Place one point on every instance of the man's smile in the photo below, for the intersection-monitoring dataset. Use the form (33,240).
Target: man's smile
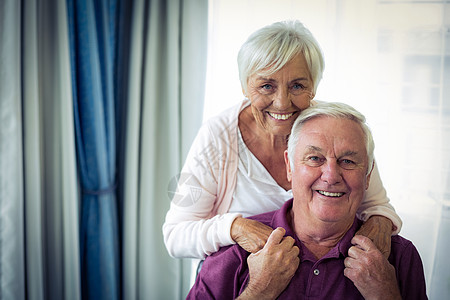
(330,194)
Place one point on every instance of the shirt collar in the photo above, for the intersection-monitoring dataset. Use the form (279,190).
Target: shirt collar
(279,219)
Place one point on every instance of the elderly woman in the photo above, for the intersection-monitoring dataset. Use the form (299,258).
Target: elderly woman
(235,167)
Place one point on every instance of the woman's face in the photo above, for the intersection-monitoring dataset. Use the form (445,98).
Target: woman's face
(277,99)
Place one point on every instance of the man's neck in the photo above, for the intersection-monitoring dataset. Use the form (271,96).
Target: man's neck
(319,237)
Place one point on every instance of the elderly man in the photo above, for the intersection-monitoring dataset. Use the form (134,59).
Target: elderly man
(312,253)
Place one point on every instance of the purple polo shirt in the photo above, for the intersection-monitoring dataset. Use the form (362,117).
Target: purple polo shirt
(224,274)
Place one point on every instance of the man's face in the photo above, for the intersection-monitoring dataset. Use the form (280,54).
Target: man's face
(329,170)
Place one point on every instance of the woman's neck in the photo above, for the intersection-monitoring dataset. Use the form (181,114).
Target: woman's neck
(253,134)
(268,149)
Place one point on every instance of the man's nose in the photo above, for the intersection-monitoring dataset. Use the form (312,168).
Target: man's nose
(331,173)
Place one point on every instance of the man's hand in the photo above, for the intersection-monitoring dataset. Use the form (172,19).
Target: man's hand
(272,268)
(370,271)
(251,235)
(379,230)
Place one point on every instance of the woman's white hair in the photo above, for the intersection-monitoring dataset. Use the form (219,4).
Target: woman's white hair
(335,110)
(273,46)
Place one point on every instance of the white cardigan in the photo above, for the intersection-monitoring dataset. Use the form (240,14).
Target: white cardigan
(198,223)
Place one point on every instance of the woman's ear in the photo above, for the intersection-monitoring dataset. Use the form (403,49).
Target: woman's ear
(244,93)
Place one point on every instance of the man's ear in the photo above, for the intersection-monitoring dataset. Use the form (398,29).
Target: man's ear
(368,176)
(288,166)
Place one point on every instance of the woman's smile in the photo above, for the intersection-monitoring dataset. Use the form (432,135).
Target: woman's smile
(280,117)
(276,99)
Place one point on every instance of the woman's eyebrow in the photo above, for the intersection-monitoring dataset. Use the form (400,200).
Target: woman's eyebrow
(266,79)
(273,80)
(300,79)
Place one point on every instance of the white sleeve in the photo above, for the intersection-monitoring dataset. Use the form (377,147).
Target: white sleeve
(192,229)
(376,202)
(196,238)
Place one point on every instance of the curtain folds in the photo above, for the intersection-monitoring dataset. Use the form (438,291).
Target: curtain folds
(12,263)
(33,152)
(38,196)
(60,197)
(165,94)
(92,28)
(71,74)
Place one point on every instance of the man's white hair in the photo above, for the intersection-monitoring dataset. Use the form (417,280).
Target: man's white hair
(335,110)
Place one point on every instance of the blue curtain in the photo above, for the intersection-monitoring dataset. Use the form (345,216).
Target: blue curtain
(92,32)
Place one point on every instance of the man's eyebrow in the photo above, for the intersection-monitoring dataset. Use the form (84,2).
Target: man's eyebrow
(350,153)
(312,148)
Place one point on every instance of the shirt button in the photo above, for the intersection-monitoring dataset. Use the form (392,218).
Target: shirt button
(316,272)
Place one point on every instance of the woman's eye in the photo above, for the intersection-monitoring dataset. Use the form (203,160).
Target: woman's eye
(267,88)
(298,89)
(298,86)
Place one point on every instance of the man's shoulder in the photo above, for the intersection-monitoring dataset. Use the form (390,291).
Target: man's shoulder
(265,218)
(233,253)
(403,250)
(221,275)
(398,242)
(227,260)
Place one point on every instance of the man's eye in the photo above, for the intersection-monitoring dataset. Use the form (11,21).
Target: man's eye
(315,160)
(348,164)
(267,87)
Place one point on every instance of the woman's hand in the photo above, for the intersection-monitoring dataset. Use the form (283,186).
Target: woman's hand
(379,230)
(251,235)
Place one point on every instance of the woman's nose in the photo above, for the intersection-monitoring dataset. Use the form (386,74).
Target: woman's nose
(331,173)
(282,99)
